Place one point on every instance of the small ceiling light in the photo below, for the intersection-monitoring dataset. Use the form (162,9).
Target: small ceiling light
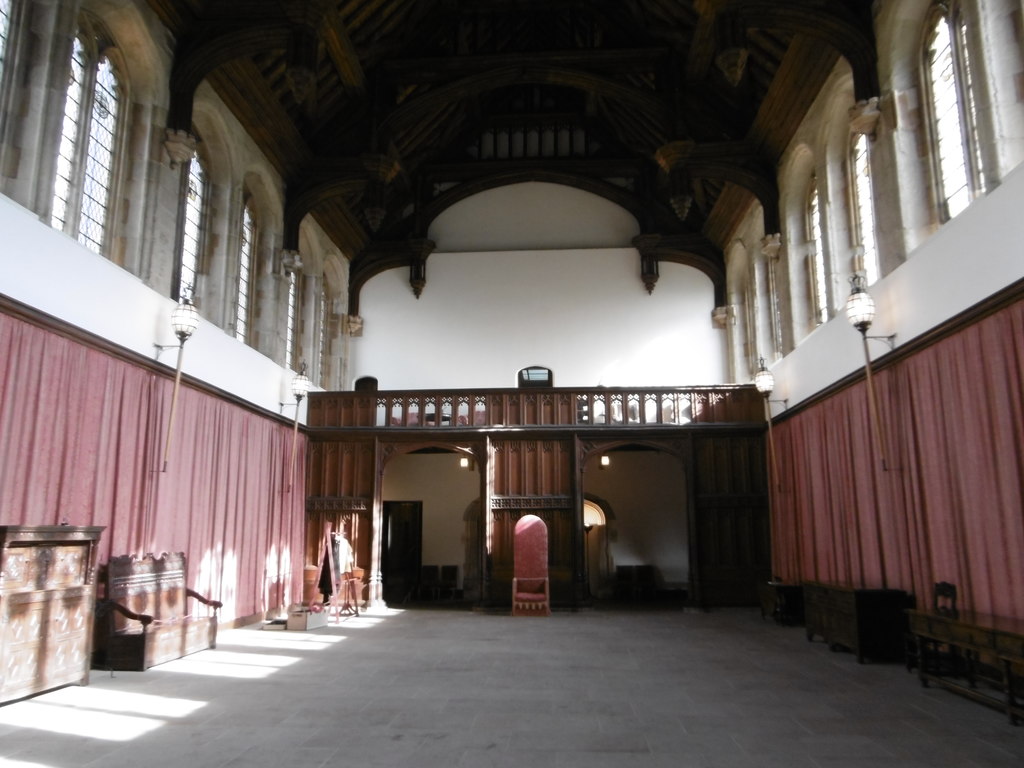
(860,307)
(606,460)
(184,320)
(764,381)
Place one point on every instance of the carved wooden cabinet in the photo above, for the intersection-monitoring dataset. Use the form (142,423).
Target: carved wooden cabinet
(869,622)
(47,601)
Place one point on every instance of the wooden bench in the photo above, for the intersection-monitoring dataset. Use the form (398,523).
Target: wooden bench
(143,618)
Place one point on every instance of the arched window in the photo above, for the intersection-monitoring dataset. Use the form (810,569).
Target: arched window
(322,339)
(191,234)
(245,261)
(952,112)
(536,376)
(863,208)
(5,30)
(292,320)
(85,159)
(816,257)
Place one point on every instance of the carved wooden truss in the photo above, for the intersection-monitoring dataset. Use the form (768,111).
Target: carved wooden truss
(379,114)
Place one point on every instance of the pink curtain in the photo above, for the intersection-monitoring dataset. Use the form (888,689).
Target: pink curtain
(948,505)
(81,441)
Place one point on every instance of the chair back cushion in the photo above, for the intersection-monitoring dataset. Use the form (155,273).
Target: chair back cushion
(531,548)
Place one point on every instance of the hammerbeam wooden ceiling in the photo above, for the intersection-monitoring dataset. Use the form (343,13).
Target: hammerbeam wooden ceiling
(381,113)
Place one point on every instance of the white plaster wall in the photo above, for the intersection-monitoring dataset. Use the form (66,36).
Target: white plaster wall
(538,274)
(446,491)
(583,313)
(967,260)
(50,271)
(646,493)
(532,216)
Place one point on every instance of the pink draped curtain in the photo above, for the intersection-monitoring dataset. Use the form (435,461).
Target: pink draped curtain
(81,441)
(949,503)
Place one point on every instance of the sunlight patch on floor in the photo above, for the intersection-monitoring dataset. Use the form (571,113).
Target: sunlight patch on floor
(279,641)
(92,697)
(56,718)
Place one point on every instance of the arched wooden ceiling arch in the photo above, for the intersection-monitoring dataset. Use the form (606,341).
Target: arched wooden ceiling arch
(398,94)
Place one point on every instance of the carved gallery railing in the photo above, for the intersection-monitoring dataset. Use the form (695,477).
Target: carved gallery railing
(598,407)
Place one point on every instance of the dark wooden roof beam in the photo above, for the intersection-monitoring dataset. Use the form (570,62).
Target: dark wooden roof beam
(432,70)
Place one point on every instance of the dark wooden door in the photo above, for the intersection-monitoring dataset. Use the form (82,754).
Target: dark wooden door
(403,549)
(730,531)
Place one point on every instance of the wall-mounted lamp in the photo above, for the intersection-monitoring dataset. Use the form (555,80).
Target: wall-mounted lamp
(764,382)
(184,321)
(300,388)
(465,462)
(860,311)
(606,461)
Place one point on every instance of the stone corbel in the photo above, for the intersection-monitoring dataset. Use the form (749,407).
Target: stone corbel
(180,146)
(864,117)
(770,246)
(291,261)
(352,325)
(723,317)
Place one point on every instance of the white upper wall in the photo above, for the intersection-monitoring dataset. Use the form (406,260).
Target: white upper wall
(969,259)
(533,216)
(50,271)
(538,274)
(582,313)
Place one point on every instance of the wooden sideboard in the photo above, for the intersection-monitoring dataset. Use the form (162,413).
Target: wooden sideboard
(869,622)
(47,601)
(782,602)
(990,650)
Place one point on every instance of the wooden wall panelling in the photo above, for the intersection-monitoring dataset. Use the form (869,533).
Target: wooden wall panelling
(731,523)
(532,467)
(560,548)
(341,468)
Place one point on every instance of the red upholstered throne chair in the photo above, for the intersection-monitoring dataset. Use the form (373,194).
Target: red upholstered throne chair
(530,592)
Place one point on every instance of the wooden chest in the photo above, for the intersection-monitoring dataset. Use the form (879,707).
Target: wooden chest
(47,595)
(869,622)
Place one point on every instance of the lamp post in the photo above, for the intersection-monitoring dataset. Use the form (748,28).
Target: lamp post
(764,382)
(860,311)
(300,386)
(184,321)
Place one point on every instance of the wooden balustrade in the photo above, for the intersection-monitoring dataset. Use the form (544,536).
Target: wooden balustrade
(495,408)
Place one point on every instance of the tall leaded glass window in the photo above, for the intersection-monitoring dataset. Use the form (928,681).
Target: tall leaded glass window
(5,30)
(863,208)
(816,257)
(950,85)
(322,341)
(292,320)
(86,154)
(193,209)
(245,253)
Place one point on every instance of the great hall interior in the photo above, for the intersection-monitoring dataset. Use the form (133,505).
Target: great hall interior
(411,271)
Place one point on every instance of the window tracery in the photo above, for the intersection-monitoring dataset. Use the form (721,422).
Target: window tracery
(952,111)
(862,209)
(84,176)
(816,257)
(192,227)
(245,258)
